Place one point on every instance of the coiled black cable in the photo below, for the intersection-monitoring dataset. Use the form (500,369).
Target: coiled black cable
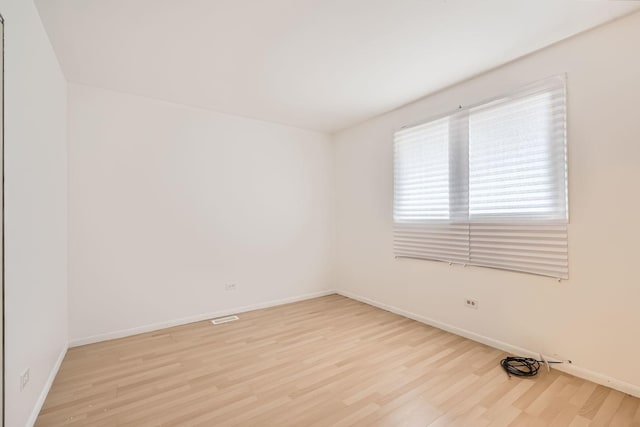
(525,366)
(520,366)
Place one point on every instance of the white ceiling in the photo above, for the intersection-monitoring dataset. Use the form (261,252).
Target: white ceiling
(316,64)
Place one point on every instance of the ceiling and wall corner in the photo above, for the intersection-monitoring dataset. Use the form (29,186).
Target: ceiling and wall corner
(316,64)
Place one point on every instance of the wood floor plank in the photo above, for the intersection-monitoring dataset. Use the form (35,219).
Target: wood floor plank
(330,361)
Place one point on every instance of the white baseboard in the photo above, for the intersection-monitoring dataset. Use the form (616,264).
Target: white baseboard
(45,390)
(572,369)
(197,318)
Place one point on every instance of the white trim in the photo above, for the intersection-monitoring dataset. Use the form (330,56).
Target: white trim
(197,318)
(45,390)
(226,319)
(571,369)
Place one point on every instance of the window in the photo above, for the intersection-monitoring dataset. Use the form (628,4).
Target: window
(487,185)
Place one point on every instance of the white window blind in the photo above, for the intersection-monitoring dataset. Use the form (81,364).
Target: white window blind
(487,185)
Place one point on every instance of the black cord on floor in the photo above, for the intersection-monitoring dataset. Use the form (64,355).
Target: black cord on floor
(521,366)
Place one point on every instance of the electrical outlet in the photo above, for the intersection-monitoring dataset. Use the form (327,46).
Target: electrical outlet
(24,379)
(471,303)
(230,287)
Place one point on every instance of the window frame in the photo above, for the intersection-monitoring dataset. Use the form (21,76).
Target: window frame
(459,147)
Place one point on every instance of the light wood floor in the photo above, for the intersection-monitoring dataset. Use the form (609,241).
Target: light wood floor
(329,361)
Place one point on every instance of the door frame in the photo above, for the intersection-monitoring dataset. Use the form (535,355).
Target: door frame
(2,248)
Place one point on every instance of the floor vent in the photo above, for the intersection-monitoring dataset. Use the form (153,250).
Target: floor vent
(227,319)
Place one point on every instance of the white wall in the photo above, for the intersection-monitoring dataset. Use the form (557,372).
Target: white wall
(35,209)
(593,318)
(167,204)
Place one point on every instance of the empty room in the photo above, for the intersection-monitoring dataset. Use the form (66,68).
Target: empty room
(320,213)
